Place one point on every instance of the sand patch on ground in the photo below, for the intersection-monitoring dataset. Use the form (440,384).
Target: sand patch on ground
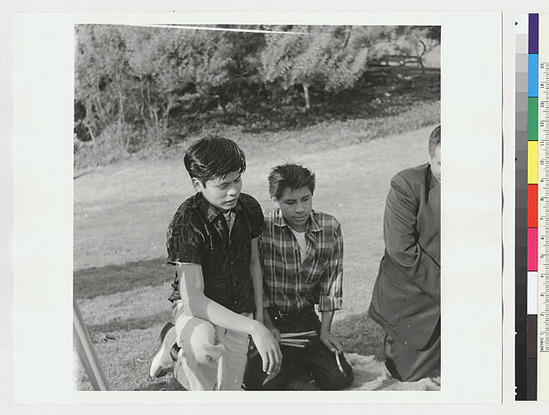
(371,374)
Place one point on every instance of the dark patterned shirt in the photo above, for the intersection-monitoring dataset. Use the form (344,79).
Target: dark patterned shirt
(198,234)
(294,282)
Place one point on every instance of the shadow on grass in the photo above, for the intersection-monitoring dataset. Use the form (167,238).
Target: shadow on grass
(360,334)
(102,332)
(93,282)
(168,383)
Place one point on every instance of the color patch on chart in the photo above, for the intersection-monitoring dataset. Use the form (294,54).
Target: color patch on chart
(532,304)
(533,33)
(532,118)
(532,162)
(532,205)
(532,333)
(532,249)
(533,62)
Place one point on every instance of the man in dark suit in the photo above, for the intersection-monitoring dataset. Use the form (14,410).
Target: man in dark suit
(406,295)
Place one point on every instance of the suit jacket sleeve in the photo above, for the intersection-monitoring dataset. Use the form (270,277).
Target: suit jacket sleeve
(402,239)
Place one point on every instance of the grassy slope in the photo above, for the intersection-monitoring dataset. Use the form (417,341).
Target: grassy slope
(121,213)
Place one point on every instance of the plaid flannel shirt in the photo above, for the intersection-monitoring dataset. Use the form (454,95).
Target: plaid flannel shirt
(294,284)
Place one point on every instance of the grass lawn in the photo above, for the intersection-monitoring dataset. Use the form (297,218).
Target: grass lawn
(121,212)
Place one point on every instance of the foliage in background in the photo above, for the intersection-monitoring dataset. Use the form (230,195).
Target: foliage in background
(143,88)
(405,44)
(331,58)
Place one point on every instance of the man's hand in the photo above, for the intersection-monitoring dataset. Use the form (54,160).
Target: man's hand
(331,341)
(267,346)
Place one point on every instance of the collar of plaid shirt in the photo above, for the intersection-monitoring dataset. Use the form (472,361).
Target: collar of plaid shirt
(312,224)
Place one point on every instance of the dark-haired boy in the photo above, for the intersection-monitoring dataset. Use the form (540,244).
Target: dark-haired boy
(213,242)
(406,294)
(302,254)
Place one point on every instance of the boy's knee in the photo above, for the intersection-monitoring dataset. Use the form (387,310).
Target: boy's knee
(197,337)
(334,379)
(337,381)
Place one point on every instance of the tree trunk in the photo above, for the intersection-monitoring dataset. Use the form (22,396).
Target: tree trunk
(420,60)
(307,98)
(221,105)
(420,56)
(121,119)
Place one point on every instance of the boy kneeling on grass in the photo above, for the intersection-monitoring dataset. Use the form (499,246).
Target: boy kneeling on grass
(302,254)
(213,243)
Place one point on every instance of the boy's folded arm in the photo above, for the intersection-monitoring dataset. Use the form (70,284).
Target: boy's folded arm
(198,305)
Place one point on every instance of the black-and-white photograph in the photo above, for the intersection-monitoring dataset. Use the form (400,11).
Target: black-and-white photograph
(257,207)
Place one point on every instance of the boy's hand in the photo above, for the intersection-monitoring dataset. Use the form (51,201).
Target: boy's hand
(331,341)
(274,331)
(270,326)
(268,348)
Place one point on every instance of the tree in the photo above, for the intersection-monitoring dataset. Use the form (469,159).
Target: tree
(329,57)
(100,81)
(134,77)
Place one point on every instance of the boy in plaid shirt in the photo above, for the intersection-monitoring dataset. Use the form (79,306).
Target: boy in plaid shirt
(302,256)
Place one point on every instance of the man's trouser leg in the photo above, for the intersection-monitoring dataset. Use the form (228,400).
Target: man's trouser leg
(409,364)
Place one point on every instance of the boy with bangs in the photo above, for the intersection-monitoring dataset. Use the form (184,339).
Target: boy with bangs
(302,256)
(213,243)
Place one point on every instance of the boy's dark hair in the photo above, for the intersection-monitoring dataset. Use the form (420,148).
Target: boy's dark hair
(434,140)
(289,175)
(214,156)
